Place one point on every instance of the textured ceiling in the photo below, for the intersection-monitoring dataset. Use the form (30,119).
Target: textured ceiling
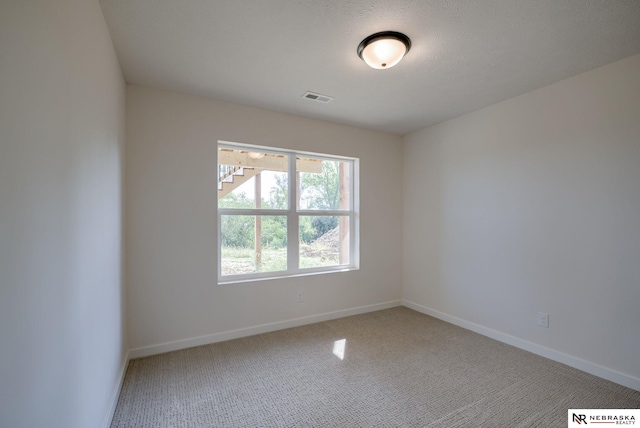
(466,54)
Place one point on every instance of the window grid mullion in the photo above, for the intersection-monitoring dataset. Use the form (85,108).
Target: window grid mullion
(293,242)
(251,211)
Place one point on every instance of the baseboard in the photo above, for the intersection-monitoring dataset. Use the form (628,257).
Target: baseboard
(552,354)
(250,331)
(113,402)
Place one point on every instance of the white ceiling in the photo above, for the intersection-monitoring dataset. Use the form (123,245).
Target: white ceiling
(466,54)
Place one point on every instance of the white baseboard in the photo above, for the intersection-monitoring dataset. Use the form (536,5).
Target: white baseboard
(250,331)
(113,401)
(569,360)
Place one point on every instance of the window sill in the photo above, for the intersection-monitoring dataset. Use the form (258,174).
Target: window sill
(281,275)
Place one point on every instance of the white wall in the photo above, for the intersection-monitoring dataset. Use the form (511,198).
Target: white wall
(170,219)
(533,204)
(62,99)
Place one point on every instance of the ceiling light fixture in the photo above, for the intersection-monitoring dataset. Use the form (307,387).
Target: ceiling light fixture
(384,50)
(256,155)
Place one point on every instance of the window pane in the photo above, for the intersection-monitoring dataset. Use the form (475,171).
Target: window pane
(324,241)
(252,179)
(323,184)
(240,250)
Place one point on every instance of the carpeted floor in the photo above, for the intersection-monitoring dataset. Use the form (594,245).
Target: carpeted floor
(400,368)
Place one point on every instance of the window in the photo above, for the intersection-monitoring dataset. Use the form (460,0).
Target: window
(283,213)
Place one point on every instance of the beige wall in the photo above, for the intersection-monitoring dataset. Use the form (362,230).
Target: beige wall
(62,100)
(533,204)
(171,220)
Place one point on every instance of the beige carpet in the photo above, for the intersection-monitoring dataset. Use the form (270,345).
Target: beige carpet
(400,369)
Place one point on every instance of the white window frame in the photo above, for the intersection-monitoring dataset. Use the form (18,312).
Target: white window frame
(293,213)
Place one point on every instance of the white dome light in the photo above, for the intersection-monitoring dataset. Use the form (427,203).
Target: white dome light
(384,50)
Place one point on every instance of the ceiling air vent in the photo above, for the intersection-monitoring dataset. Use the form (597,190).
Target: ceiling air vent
(317,97)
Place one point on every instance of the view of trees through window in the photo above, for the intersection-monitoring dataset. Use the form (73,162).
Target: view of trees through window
(256,213)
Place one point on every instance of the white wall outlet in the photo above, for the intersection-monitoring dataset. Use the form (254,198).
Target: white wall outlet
(300,296)
(543,319)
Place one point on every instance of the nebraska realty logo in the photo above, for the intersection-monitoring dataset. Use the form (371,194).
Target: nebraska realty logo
(603,417)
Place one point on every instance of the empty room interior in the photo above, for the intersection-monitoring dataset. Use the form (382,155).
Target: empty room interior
(425,213)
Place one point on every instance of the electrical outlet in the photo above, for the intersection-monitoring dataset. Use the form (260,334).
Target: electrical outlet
(543,319)
(301,296)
